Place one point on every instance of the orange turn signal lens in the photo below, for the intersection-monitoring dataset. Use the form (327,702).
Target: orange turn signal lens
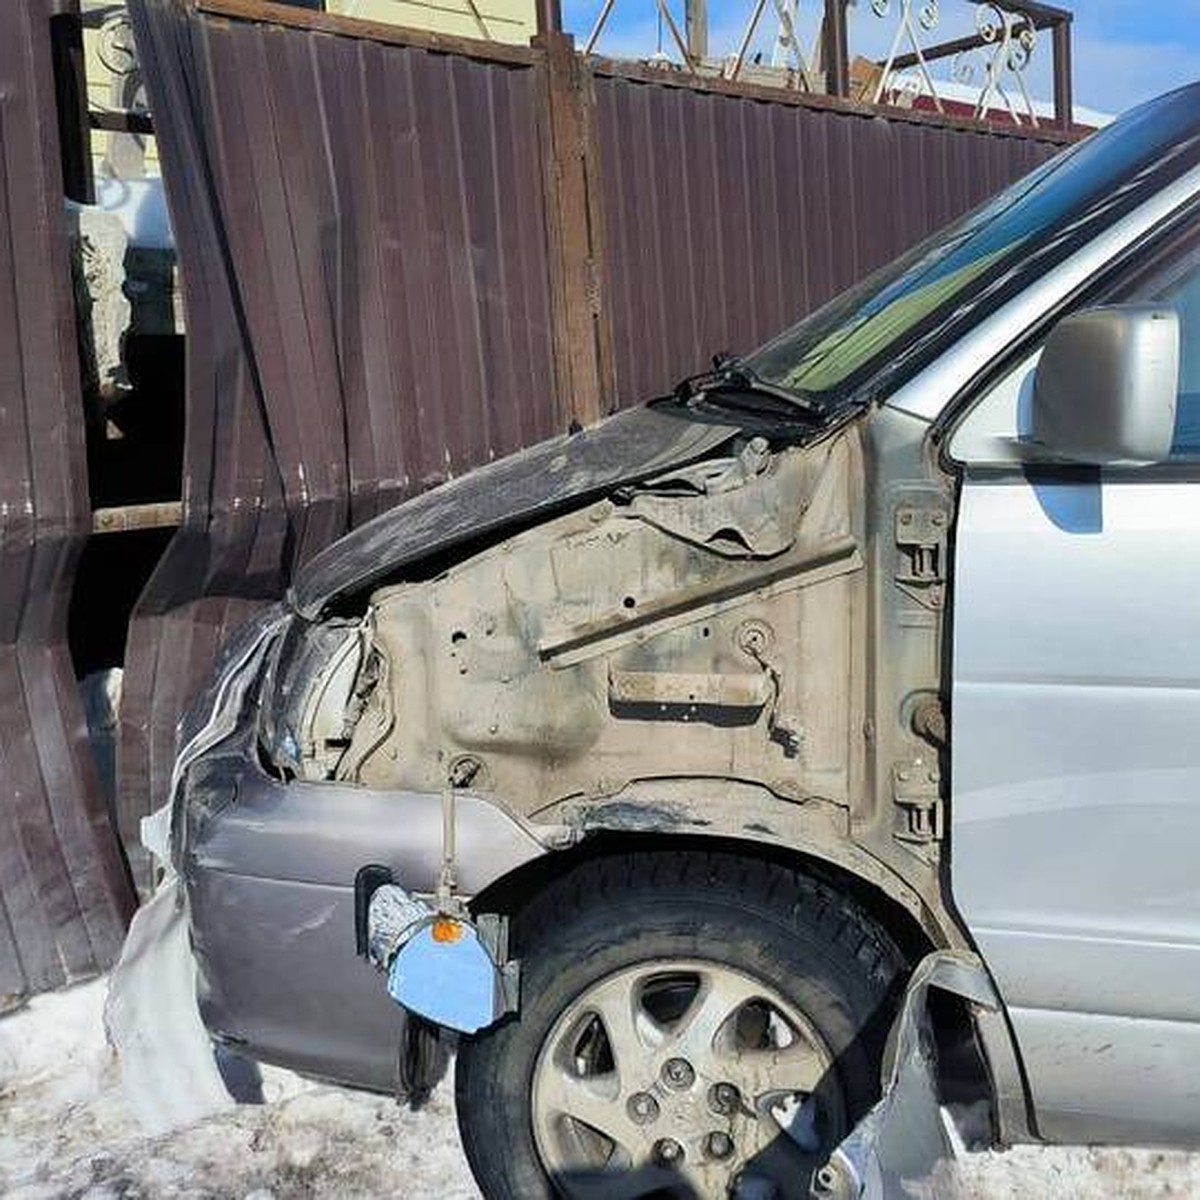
(446,929)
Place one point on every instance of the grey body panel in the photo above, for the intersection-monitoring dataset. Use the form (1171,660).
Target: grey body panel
(323,833)
(270,871)
(1115,1080)
(633,445)
(1106,386)
(1076,781)
(279,978)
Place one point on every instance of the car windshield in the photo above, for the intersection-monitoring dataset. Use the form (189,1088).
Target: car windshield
(882,329)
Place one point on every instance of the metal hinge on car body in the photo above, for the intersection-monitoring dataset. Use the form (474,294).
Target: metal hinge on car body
(922,531)
(917,793)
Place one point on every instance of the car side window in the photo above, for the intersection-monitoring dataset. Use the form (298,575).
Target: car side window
(1183,295)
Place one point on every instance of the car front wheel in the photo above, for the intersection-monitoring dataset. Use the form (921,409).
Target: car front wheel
(691,1025)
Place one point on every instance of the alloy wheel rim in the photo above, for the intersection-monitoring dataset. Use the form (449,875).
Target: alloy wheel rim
(686,1078)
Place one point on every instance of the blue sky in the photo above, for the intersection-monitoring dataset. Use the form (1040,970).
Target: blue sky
(1125,50)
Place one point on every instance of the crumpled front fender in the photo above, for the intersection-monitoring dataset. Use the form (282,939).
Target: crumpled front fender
(901,1141)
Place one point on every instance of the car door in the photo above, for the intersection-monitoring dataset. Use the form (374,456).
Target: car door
(1075,825)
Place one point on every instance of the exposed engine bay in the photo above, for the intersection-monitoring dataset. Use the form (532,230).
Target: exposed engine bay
(637,637)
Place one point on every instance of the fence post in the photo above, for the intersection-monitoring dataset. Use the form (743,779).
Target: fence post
(836,48)
(1064,102)
(70,89)
(696,15)
(582,341)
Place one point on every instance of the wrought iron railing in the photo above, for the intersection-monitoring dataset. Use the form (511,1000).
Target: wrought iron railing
(806,45)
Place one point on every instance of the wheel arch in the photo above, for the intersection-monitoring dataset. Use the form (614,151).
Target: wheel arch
(987,1069)
(510,893)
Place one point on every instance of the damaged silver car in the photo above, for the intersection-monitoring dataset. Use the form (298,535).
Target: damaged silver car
(647,765)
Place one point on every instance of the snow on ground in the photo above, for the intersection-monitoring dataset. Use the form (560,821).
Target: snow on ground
(65,1131)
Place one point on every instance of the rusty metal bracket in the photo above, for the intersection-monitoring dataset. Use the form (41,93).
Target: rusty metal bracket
(916,791)
(922,531)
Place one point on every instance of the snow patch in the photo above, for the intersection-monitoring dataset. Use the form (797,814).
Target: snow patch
(66,1129)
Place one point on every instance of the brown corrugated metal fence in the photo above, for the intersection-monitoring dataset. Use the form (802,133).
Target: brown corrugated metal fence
(727,218)
(402,255)
(361,230)
(64,893)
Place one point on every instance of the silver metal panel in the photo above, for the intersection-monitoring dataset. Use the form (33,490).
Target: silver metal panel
(1106,386)
(1112,1079)
(1076,766)
(904,1137)
(323,833)
(278,976)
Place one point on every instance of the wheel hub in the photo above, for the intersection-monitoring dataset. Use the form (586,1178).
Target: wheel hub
(673,1072)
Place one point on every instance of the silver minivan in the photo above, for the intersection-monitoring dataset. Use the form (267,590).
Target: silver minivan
(665,767)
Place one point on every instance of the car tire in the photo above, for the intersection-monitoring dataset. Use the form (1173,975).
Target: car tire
(571,1088)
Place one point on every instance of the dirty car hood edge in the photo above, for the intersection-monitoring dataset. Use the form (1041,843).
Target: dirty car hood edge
(633,445)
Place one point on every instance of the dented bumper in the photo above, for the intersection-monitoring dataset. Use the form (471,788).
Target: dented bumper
(269,869)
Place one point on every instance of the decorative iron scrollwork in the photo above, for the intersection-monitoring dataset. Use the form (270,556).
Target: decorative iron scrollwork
(1007,40)
(115,47)
(913,19)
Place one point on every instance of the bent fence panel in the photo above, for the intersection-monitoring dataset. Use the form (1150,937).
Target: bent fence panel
(360,227)
(64,891)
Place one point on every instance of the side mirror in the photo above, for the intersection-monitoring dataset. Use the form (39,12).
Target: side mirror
(1107,386)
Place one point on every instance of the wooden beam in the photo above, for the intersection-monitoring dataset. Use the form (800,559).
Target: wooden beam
(583,361)
(124,518)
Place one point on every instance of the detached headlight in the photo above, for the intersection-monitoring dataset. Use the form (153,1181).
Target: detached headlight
(307,712)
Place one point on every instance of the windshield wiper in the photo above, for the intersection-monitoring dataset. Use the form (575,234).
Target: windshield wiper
(732,376)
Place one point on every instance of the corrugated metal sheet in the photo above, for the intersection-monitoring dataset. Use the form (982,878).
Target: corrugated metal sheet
(64,894)
(727,219)
(361,230)
(369,259)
